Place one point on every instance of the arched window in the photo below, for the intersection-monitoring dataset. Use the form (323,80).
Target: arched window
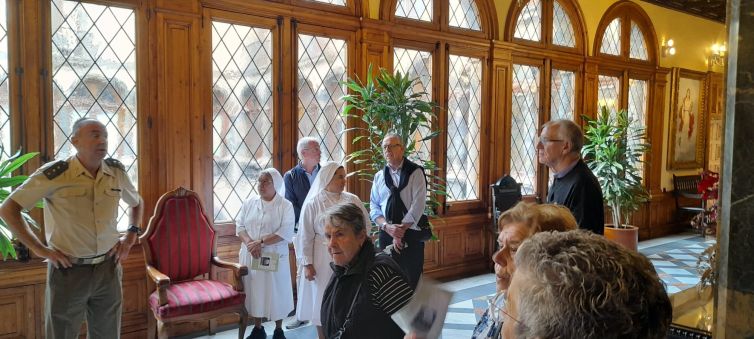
(626,50)
(545,79)
(426,45)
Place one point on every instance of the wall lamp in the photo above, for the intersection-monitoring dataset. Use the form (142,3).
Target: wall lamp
(717,55)
(668,48)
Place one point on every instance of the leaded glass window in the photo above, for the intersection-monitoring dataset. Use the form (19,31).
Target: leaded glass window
(418,65)
(321,71)
(465,14)
(5,127)
(415,9)
(529,22)
(562,29)
(611,39)
(638,101)
(525,119)
(242,114)
(608,91)
(638,48)
(464,127)
(94,75)
(562,94)
(332,2)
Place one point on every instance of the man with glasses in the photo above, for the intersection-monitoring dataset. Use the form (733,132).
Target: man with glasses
(397,202)
(298,180)
(574,185)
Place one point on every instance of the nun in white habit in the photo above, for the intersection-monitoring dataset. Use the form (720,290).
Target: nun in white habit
(265,225)
(326,191)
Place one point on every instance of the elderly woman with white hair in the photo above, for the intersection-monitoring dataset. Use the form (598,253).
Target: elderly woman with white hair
(265,225)
(327,191)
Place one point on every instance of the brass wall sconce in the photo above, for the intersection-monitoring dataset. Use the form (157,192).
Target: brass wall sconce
(668,48)
(717,55)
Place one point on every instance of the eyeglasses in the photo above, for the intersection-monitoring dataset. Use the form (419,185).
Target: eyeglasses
(264,182)
(498,306)
(389,147)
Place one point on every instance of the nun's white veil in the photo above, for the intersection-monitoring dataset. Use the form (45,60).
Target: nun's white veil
(277,180)
(324,176)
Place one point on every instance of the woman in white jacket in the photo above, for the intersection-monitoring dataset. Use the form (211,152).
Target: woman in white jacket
(265,226)
(326,191)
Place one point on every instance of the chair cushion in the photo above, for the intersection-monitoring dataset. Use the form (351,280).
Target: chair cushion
(196,296)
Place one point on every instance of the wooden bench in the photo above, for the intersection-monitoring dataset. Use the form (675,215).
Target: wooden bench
(688,200)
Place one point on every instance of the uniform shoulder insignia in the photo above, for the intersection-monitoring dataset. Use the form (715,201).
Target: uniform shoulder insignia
(115,163)
(56,169)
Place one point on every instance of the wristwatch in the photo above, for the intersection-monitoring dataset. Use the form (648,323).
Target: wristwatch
(134,229)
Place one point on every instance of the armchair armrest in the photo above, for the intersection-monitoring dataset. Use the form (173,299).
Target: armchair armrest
(162,282)
(238,270)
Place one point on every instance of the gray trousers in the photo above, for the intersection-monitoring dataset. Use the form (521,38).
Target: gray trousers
(91,290)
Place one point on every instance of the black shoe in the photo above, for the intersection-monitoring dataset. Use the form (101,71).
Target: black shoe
(278,334)
(257,333)
(296,324)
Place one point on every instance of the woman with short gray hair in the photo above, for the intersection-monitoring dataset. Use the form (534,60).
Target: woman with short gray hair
(366,288)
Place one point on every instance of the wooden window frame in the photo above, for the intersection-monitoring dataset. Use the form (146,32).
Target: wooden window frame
(572,9)
(440,18)
(628,12)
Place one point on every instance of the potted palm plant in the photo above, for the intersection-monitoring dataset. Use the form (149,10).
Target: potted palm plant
(8,247)
(614,148)
(387,104)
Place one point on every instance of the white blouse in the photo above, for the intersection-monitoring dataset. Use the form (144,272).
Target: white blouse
(260,218)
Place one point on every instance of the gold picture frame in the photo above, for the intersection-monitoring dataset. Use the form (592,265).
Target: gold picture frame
(687,119)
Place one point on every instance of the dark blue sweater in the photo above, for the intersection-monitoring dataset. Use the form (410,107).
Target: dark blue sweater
(296,188)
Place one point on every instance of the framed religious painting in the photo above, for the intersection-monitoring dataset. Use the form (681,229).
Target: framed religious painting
(687,109)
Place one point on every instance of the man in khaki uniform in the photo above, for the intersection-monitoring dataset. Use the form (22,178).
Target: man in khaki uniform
(84,248)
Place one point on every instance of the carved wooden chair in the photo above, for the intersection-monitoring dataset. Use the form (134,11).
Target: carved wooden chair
(179,249)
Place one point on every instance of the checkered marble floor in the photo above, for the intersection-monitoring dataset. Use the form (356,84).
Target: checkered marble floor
(674,258)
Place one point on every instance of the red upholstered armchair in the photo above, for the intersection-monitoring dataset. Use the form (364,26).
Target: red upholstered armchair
(179,249)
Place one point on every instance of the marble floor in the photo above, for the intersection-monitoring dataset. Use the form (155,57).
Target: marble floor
(674,257)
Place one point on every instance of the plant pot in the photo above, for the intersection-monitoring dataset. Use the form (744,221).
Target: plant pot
(22,252)
(627,237)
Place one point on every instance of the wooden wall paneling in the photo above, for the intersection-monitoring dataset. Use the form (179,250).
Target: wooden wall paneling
(655,130)
(432,253)
(591,82)
(179,111)
(17,309)
(500,116)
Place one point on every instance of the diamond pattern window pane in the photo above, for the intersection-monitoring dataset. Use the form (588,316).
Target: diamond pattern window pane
(465,14)
(332,2)
(562,29)
(562,94)
(464,123)
(417,64)
(525,117)
(611,38)
(415,9)
(322,63)
(607,92)
(94,75)
(529,22)
(5,126)
(638,104)
(638,48)
(242,114)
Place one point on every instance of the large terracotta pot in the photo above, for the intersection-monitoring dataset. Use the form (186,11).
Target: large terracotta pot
(627,237)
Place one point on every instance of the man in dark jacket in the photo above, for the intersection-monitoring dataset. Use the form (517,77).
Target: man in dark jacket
(298,181)
(574,185)
(300,178)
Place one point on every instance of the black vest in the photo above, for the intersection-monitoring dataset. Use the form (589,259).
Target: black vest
(367,321)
